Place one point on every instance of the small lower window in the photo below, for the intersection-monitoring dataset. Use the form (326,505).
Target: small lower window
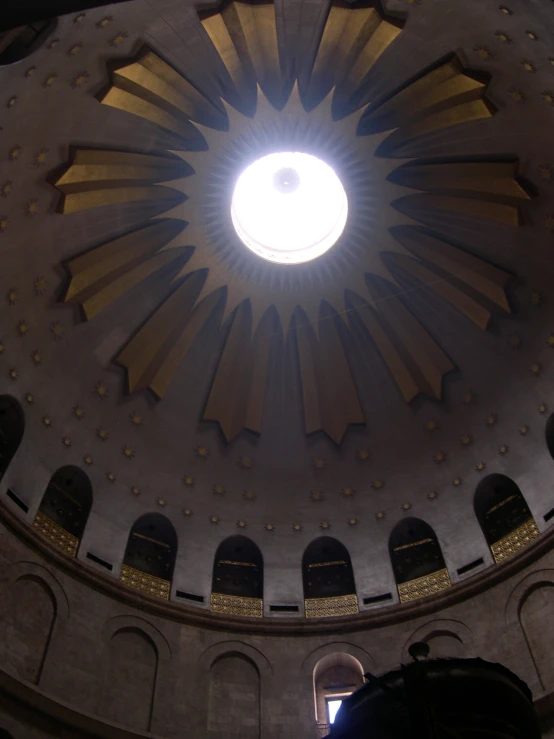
(333,705)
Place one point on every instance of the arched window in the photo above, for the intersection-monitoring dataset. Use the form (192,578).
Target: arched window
(64,509)
(19,43)
(417,561)
(504,516)
(336,676)
(238,578)
(150,556)
(328,578)
(12,425)
(549,435)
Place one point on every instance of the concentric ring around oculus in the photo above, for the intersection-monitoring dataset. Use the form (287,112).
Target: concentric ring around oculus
(289,207)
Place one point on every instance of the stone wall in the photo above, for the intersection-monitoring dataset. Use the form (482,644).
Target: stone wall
(83,658)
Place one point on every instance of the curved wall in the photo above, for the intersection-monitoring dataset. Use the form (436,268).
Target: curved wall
(80,657)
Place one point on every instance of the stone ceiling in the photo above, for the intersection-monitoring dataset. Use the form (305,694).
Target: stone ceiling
(142,454)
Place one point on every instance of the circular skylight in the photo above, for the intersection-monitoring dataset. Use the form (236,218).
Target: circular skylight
(289,207)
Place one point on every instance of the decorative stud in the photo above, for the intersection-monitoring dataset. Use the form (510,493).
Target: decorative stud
(378,484)
(79,80)
(101,390)
(79,18)
(12,101)
(127,452)
(325,525)
(535,298)
(12,296)
(469,398)
(15,152)
(66,441)
(218,490)
(505,10)
(317,496)
(32,208)
(249,495)
(36,356)
(75,49)
(13,374)
(347,492)
(245,463)
(480,466)
(39,285)
(536,368)
(380,515)
(78,412)
(241,524)
(47,421)
(551,60)
(362,455)
(53,43)
(542,408)
(406,506)
(549,222)
(528,66)
(297,527)
(111,477)
(483,52)
(318,463)
(102,434)
(57,330)
(491,419)
(49,81)
(532,35)
(23,328)
(161,502)
(30,72)
(7,188)
(439,457)
(136,420)
(548,97)
(550,341)
(87,459)
(431,425)
(524,430)
(214,519)
(119,38)
(503,449)
(30,398)
(3,223)
(432,495)
(501,36)
(201,451)
(103,22)
(187,512)
(352,521)
(189,481)
(457,481)
(2,347)
(515,341)
(546,172)
(516,95)
(466,440)
(135,490)
(269,527)
(40,157)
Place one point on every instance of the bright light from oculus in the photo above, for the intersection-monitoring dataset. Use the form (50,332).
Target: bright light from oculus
(289,207)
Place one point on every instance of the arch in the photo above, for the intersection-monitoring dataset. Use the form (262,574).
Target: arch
(213,653)
(12,427)
(19,43)
(361,656)
(129,684)
(238,568)
(327,569)
(549,434)
(446,638)
(119,623)
(67,500)
(151,549)
(502,510)
(234,697)
(335,676)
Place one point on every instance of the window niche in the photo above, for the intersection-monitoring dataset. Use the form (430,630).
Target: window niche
(12,426)
(417,560)
(150,555)
(238,578)
(64,509)
(504,516)
(328,579)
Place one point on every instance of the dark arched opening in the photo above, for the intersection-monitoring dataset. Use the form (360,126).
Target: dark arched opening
(238,578)
(150,555)
(19,43)
(328,579)
(64,509)
(549,434)
(504,516)
(12,426)
(417,560)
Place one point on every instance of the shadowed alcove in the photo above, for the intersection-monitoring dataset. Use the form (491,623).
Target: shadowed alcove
(12,426)
(150,556)
(238,578)
(328,579)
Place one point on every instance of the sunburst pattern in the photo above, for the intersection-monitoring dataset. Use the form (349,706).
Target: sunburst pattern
(390,195)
